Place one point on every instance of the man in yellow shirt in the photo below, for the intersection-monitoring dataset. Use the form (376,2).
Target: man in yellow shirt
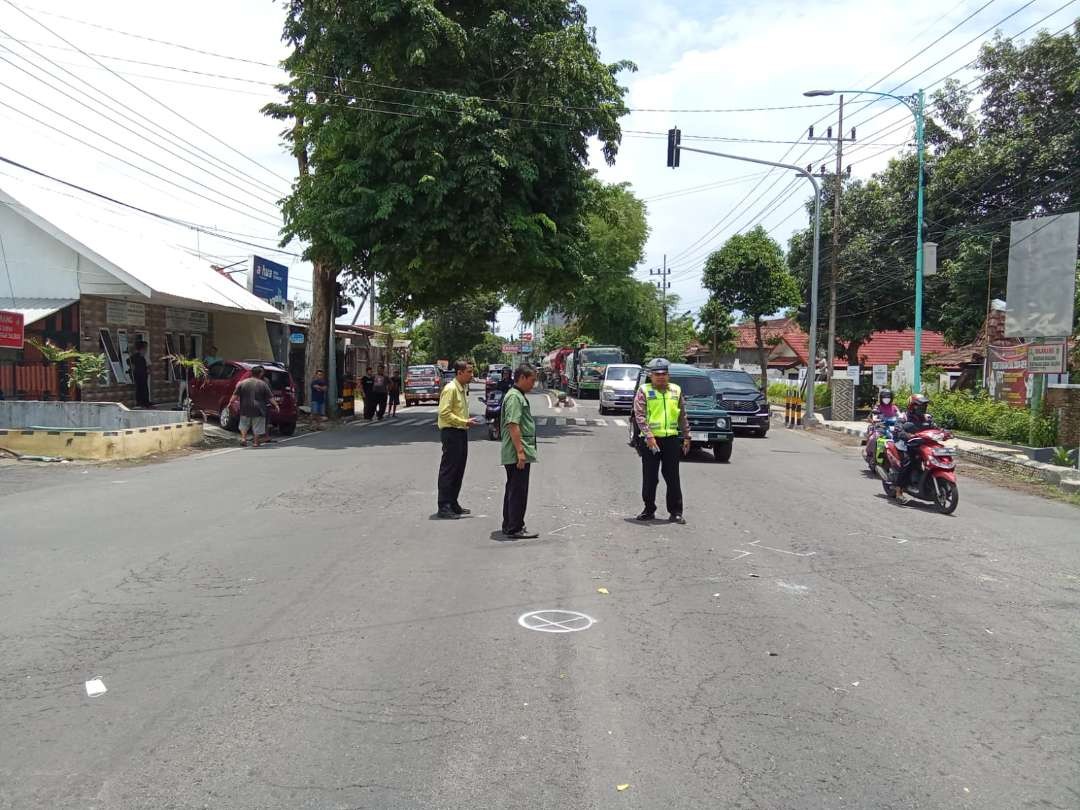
(454,424)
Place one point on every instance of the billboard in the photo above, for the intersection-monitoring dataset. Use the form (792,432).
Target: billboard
(1009,380)
(269,280)
(1042,276)
(11,330)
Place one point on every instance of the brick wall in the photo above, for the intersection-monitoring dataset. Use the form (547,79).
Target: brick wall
(1065,402)
(92,317)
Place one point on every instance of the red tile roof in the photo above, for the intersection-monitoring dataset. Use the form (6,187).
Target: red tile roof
(885,348)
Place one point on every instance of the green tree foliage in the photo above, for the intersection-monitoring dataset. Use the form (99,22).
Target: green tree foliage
(748,274)
(557,337)
(681,332)
(489,350)
(446,141)
(717,328)
(457,328)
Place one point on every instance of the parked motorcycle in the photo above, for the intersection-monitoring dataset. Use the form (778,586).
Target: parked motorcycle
(877,432)
(493,412)
(933,471)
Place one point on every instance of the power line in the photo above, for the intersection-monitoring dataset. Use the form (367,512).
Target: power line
(208,229)
(135,166)
(153,98)
(162,131)
(116,122)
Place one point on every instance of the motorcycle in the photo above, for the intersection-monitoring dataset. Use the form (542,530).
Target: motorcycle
(493,413)
(876,434)
(933,471)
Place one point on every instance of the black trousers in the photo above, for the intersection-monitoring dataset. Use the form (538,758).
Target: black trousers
(455,452)
(142,389)
(369,404)
(515,498)
(666,461)
(380,405)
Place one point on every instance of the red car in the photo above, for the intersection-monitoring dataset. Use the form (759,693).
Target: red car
(211,394)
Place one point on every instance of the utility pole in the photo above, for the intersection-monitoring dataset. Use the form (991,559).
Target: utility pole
(834,256)
(663,285)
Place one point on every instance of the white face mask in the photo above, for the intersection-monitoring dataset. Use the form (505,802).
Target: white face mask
(886,400)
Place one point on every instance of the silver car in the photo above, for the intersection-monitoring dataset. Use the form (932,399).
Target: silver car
(617,389)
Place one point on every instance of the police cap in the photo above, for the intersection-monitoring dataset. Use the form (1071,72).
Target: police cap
(659,364)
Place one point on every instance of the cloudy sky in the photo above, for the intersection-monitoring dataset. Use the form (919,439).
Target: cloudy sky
(224,166)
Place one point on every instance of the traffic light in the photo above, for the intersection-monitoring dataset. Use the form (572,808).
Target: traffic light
(674,138)
(341,302)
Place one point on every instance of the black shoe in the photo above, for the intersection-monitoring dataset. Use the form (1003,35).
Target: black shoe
(646,515)
(678,519)
(460,510)
(447,514)
(521,534)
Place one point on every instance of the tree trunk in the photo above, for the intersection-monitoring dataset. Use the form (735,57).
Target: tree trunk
(318,336)
(715,341)
(761,354)
(852,352)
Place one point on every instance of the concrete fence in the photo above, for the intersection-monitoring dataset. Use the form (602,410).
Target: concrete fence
(19,415)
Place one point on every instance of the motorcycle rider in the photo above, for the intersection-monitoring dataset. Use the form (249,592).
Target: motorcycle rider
(505,382)
(916,419)
(886,408)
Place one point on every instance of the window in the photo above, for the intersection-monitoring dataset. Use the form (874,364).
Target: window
(626,373)
(732,380)
(695,386)
(221,371)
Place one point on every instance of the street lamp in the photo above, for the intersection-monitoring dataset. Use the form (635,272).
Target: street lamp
(916,106)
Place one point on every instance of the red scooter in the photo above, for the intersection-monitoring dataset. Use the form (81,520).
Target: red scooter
(933,471)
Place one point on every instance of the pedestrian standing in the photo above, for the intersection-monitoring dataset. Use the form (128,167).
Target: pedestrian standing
(140,371)
(663,439)
(319,387)
(254,397)
(366,383)
(393,394)
(454,424)
(380,388)
(518,452)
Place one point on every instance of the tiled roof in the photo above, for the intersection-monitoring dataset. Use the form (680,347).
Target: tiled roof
(885,348)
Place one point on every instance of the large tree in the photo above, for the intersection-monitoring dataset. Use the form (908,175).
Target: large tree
(458,327)
(717,328)
(442,145)
(748,274)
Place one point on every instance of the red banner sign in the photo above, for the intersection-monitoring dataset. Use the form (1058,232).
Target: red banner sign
(1009,379)
(11,330)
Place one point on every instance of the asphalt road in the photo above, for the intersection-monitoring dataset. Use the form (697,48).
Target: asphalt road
(287,627)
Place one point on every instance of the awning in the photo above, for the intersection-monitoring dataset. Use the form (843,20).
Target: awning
(34,309)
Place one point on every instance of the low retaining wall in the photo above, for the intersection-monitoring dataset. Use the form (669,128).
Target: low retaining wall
(24,415)
(101,445)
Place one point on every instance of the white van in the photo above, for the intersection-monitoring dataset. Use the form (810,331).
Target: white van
(617,389)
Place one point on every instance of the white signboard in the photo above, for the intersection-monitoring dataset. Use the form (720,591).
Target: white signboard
(853,372)
(881,375)
(1042,276)
(1046,358)
(125,313)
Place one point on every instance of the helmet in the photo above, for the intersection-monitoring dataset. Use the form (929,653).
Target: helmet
(884,396)
(659,364)
(917,405)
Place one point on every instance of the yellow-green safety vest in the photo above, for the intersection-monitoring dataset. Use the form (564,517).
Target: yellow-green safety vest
(662,410)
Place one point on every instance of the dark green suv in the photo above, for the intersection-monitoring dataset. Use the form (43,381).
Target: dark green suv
(709,425)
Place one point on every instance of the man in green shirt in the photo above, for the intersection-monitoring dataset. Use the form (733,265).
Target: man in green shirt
(518,452)
(454,424)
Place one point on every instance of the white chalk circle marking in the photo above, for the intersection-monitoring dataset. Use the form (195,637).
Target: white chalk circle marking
(556,621)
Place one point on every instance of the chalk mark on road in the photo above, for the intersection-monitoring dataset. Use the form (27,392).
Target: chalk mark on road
(556,621)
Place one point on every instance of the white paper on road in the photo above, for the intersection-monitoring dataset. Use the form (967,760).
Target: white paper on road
(95,687)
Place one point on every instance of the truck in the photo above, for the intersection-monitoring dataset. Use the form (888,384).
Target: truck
(585,369)
(553,367)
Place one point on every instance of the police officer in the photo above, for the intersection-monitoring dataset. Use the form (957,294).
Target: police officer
(663,439)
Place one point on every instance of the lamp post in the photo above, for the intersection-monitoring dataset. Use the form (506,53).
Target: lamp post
(675,146)
(916,106)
